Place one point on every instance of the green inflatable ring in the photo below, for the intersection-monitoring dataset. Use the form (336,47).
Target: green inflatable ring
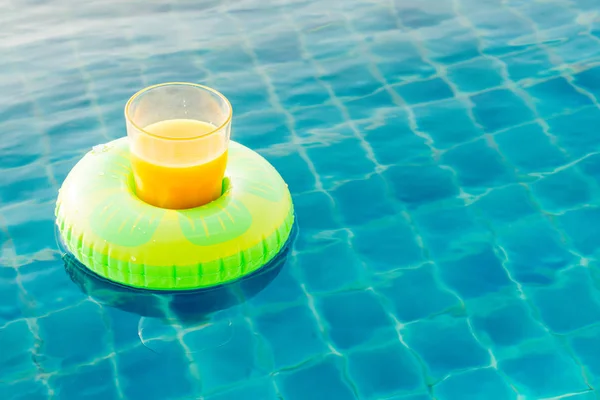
(116,235)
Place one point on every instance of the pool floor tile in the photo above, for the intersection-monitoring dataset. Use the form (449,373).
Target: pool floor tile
(504,320)
(324,381)
(96,381)
(446,345)
(528,148)
(543,370)
(292,334)
(500,109)
(27,390)
(331,268)
(354,318)
(417,293)
(141,364)
(385,371)
(263,389)
(16,357)
(73,336)
(363,200)
(491,171)
(233,362)
(562,190)
(417,185)
(571,303)
(387,244)
(477,384)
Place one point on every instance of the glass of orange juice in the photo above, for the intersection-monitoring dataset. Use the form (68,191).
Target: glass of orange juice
(179,136)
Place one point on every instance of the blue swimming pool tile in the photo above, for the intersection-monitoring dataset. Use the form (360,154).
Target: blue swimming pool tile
(478,166)
(16,358)
(504,320)
(476,274)
(331,268)
(418,185)
(475,75)
(94,381)
(548,16)
(385,371)
(505,205)
(123,328)
(247,91)
(586,346)
(588,80)
(309,119)
(387,244)
(562,190)
(259,389)
(295,170)
(316,210)
(417,293)
(529,149)
(328,41)
(296,84)
(339,161)
(501,30)
(10,308)
(426,91)
(533,63)
(372,106)
(582,227)
(500,109)
(570,303)
(475,385)
(590,166)
(349,77)
(580,47)
(324,381)
(277,49)
(72,134)
(230,58)
(73,336)
(57,292)
(394,143)
(261,129)
(459,44)
(31,227)
(140,364)
(235,361)
(543,370)
(423,17)
(447,123)
(363,200)
(557,96)
(451,231)
(354,319)
(292,335)
(17,152)
(446,345)
(398,58)
(534,251)
(18,109)
(576,132)
(24,390)
(373,18)
(285,288)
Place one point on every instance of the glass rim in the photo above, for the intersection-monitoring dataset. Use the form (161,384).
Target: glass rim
(196,85)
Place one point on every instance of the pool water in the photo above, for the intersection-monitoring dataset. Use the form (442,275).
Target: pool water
(444,160)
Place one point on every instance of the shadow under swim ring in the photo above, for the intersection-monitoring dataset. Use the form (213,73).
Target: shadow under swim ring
(118,236)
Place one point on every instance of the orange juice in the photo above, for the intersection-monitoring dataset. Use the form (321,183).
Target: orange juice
(179,186)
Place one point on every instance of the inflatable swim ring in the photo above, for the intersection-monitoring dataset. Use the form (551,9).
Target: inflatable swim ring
(119,237)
